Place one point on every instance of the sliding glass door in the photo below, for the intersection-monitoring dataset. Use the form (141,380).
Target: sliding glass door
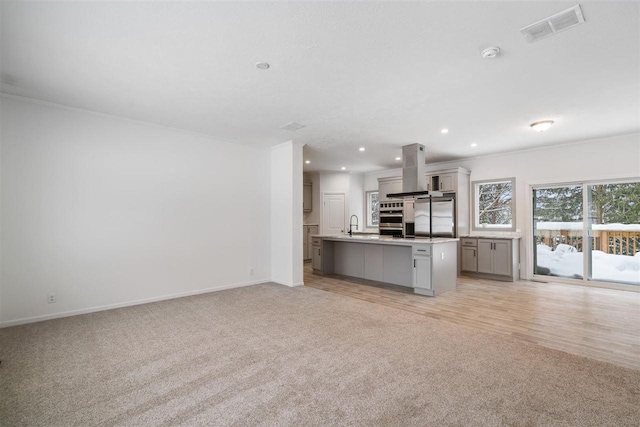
(588,231)
(614,232)
(558,230)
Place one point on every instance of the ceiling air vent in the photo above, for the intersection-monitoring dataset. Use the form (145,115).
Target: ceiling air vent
(292,126)
(553,24)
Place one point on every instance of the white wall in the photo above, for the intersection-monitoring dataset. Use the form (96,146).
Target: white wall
(106,212)
(603,158)
(356,200)
(286,214)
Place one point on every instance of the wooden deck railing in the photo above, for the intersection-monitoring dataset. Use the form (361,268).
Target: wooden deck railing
(618,242)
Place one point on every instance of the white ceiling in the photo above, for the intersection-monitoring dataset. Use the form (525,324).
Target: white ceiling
(372,74)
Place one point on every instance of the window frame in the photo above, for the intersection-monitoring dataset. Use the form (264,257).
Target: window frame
(475,225)
(368,210)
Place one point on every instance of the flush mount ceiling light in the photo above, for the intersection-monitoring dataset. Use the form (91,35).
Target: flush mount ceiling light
(343,168)
(398,158)
(490,52)
(474,145)
(262,65)
(444,131)
(307,161)
(542,125)
(361,148)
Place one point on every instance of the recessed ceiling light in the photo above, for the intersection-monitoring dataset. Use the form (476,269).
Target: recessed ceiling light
(444,131)
(343,168)
(398,158)
(542,125)
(361,148)
(474,145)
(307,161)
(262,65)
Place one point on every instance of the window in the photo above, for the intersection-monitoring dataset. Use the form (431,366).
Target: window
(371,202)
(493,204)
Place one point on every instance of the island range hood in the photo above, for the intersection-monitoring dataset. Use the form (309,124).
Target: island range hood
(413,178)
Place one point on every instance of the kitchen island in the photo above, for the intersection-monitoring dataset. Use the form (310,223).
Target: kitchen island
(429,266)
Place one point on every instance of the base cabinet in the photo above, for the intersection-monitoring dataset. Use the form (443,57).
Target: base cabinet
(495,258)
(316,253)
(307,244)
(469,259)
(422,272)
(316,258)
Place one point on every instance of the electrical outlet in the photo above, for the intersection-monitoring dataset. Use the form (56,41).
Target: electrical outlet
(441,255)
(251,272)
(51,297)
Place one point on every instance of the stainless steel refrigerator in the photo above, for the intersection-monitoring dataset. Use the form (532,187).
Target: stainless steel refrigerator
(443,217)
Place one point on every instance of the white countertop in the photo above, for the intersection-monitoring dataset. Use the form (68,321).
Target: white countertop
(509,236)
(385,240)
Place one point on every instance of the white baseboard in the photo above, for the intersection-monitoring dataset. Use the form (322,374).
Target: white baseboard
(34,319)
(289,284)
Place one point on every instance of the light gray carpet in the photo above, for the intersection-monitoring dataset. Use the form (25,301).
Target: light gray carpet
(271,355)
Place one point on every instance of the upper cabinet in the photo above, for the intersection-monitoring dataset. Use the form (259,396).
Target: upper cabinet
(306,197)
(389,186)
(445,182)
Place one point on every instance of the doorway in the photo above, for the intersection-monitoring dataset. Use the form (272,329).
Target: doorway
(333,213)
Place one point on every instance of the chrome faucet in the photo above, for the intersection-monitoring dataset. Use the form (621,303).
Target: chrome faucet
(350,224)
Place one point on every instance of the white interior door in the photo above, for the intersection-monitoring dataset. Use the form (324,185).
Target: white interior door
(333,214)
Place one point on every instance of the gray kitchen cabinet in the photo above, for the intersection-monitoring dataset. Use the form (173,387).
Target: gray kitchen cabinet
(388,186)
(422,269)
(374,262)
(469,254)
(494,256)
(316,253)
(305,243)
(311,230)
(307,199)
(485,256)
(445,182)
(502,257)
(491,258)
(469,259)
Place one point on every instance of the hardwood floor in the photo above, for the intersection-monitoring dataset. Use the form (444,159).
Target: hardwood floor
(602,324)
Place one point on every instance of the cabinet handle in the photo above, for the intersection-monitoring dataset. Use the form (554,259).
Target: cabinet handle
(414,263)
(474,253)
